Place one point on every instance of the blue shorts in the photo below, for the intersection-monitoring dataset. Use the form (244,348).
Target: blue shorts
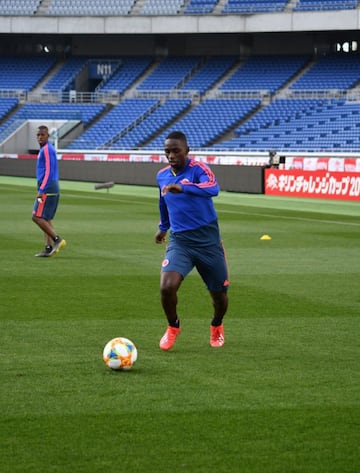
(47,208)
(210,262)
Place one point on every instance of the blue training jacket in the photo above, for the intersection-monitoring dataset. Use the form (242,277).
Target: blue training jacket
(193,207)
(47,172)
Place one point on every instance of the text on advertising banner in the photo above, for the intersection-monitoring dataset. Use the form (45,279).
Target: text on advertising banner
(314,184)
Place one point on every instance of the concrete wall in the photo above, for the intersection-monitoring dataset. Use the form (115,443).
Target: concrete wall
(181,24)
(24,138)
(247,179)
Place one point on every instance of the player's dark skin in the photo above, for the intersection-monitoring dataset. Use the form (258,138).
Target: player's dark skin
(176,152)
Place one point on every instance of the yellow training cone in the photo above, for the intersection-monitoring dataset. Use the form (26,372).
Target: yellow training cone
(265,237)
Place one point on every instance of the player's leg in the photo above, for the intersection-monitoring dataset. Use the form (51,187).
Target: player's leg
(220,303)
(43,213)
(46,227)
(175,266)
(48,239)
(48,246)
(170,282)
(212,267)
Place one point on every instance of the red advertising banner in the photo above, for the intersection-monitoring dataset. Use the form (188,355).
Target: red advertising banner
(26,156)
(72,157)
(335,163)
(314,184)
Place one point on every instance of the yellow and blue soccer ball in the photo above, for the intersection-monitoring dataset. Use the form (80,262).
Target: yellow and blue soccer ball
(120,354)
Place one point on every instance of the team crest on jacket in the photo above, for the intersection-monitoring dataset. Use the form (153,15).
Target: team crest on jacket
(165,263)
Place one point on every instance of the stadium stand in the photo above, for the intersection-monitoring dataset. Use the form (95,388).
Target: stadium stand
(152,124)
(162,7)
(19,7)
(254,6)
(130,70)
(84,113)
(65,76)
(321,5)
(305,124)
(7,105)
(264,73)
(209,120)
(330,72)
(90,7)
(200,7)
(121,118)
(24,73)
(213,70)
(310,104)
(165,7)
(170,73)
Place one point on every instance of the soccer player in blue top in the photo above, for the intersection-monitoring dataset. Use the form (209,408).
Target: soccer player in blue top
(48,192)
(187,210)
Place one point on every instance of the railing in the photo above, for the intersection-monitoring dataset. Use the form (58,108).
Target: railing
(111,96)
(352,94)
(8,93)
(239,94)
(159,94)
(115,97)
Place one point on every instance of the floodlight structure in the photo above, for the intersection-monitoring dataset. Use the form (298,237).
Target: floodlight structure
(104,185)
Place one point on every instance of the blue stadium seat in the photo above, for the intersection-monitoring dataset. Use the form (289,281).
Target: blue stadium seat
(170,73)
(109,128)
(200,7)
(7,105)
(19,7)
(24,73)
(152,124)
(162,7)
(130,70)
(253,6)
(213,70)
(264,73)
(209,120)
(302,125)
(321,5)
(66,75)
(90,7)
(330,72)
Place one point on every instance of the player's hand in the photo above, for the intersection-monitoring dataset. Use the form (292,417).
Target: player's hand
(160,237)
(173,188)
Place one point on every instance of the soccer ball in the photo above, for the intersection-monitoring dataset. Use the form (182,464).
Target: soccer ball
(120,354)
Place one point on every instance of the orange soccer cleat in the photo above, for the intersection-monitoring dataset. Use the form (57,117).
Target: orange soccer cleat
(217,338)
(168,339)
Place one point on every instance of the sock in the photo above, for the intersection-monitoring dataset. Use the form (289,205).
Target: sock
(216,322)
(175,324)
(57,238)
(48,248)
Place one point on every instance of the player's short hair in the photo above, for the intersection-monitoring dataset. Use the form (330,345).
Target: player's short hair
(43,128)
(177,135)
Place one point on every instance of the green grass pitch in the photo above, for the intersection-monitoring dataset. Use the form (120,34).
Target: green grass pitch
(282,395)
